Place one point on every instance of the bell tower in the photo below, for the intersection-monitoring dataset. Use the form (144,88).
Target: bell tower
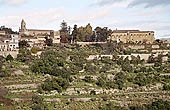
(23,26)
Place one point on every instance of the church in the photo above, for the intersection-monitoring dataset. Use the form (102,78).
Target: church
(37,36)
(33,32)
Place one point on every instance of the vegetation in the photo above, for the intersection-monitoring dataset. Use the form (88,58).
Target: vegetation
(38,103)
(9,58)
(63,73)
(23,44)
(48,41)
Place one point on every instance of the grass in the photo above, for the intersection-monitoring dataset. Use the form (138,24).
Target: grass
(11,96)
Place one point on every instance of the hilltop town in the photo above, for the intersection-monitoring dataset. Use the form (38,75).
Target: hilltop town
(81,68)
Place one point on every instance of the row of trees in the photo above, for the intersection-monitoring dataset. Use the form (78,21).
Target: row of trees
(83,34)
(7,30)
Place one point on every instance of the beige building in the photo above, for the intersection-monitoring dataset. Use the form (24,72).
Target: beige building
(2,33)
(56,38)
(36,36)
(34,32)
(132,36)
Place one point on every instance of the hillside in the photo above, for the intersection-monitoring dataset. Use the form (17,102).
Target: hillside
(63,78)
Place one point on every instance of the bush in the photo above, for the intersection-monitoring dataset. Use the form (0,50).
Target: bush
(166,87)
(24,55)
(156,105)
(120,79)
(58,84)
(50,62)
(110,106)
(92,69)
(9,58)
(159,105)
(38,103)
(89,79)
(34,50)
(102,81)
(141,79)
(23,44)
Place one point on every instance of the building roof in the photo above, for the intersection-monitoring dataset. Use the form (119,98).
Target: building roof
(38,30)
(2,31)
(131,31)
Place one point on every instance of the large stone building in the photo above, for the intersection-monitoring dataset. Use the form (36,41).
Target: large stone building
(37,36)
(2,33)
(34,32)
(132,36)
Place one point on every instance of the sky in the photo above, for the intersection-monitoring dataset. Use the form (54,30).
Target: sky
(150,15)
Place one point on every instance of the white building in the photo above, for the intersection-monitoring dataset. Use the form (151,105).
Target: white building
(56,38)
(9,43)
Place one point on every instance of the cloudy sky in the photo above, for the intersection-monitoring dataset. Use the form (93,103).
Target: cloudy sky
(121,14)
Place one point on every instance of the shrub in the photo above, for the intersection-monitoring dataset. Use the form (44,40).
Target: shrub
(89,79)
(23,44)
(58,84)
(24,55)
(34,50)
(9,58)
(120,79)
(38,103)
(166,87)
(92,69)
(159,105)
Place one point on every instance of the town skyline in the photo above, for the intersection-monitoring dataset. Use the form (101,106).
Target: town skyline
(124,14)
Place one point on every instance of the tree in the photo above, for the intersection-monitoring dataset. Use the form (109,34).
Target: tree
(48,41)
(51,62)
(38,103)
(64,32)
(23,44)
(126,65)
(151,59)
(102,81)
(64,26)
(1,64)
(82,34)
(120,79)
(74,33)
(89,33)
(159,105)
(24,55)
(7,30)
(58,84)
(102,34)
(9,58)
(166,87)
(89,79)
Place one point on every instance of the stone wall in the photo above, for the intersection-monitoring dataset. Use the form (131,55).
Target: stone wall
(92,57)
(136,47)
(142,56)
(142,46)
(89,43)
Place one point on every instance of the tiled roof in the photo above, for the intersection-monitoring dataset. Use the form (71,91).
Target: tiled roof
(38,30)
(130,31)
